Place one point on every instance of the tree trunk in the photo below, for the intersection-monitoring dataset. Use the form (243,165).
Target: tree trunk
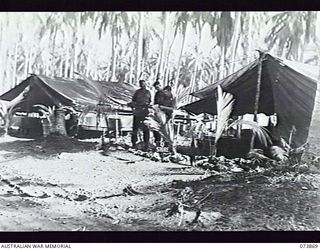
(200,78)
(175,86)
(72,61)
(66,64)
(88,65)
(235,41)
(160,67)
(26,63)
(181,54)
(140,45)
(222,62)
(195,69)
(53,66)
(14,71)
(167,75)
(131,69)
(47,67)
(4,54)
(193,80)
(74,46)
(30,63)
(46,128)
(60,122)
(113,76)
(61,68)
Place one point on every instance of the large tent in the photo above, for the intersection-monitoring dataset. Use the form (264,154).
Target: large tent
(288,89)
(62,91)
(57,91)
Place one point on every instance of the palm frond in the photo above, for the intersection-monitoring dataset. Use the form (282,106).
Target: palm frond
(224,108)
(279,153)
(159,115)
(43,108)
(261,132)
(285,145)
(157,122)
(48,112)
(181,95)
(257,156)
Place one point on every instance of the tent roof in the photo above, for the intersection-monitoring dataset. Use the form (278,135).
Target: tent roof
(310,71)
(56,90)
(287,88)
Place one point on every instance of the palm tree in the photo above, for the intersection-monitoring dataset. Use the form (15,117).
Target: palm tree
(181,25)
(290,32)
(223,32)
(140,45)
(198,21)
(164,19)
(118,23)
(235,39)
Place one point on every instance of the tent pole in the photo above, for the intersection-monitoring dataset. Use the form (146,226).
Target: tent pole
(117,125)
(256,103)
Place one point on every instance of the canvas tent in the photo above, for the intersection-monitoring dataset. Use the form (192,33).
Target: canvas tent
(287,89)
(55,91)
(62,91)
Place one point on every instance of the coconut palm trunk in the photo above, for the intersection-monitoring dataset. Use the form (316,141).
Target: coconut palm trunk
(54,124)
(181,53)
(113,77)
(75,40)
(131,69)
(14,72)
(140,45)
(59,124)
(66,64)
(235,40)
(161,65)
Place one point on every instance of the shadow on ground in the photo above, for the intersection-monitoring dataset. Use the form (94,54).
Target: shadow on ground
(44,147)
(254,204)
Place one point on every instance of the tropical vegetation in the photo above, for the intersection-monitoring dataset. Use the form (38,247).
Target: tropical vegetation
(186,49)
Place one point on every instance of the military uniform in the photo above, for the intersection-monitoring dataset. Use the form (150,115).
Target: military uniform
(140,104)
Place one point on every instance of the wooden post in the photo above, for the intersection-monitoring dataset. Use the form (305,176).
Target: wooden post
(117,125)
(257,99)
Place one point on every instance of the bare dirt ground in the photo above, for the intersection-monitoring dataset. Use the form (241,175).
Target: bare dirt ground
(61,184)
(68,185)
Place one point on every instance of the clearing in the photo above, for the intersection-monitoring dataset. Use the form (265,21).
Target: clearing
(61,184)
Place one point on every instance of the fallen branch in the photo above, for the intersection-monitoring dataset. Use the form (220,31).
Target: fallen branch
(204,198)
(126,191)
(108,196)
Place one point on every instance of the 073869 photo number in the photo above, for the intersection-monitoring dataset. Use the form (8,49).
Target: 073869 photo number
(308,245)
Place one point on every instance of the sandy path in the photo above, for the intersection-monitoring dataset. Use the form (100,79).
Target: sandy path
(60,193)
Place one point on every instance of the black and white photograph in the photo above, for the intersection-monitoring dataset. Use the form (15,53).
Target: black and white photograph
(163,121)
